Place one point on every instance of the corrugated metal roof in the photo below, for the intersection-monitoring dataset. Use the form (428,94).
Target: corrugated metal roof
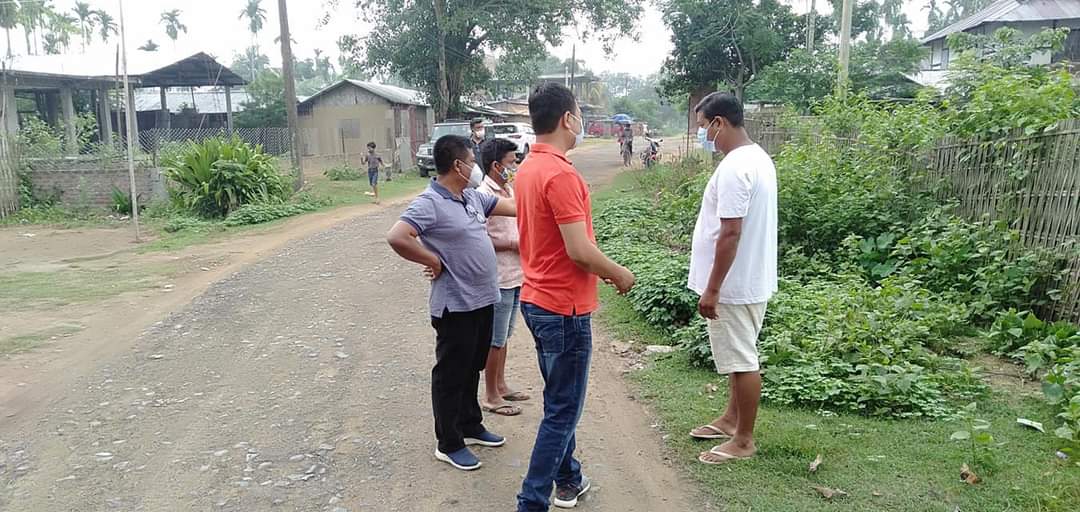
(96,64)
(387,92)
(207,101)
(1012,11)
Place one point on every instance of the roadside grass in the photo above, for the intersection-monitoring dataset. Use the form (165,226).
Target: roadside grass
(23,343)
(894,465)
(62,218)
(351,192)
(336,193)
(34,290)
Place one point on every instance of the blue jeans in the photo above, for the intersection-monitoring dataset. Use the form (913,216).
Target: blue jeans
(504,316)
(564,349)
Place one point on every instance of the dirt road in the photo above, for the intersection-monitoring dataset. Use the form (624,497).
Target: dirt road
(299,382)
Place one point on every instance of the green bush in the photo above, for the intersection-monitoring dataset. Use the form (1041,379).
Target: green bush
(217,176)
(258,213)
(121,201)
(344,173)
(184,223)
(980,264)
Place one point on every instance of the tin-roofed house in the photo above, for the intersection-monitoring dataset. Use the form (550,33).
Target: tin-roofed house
(337,123)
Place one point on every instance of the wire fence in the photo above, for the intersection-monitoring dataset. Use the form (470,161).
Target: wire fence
(274,141)
(1031,182)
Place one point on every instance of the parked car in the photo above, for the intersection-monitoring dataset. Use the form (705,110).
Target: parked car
(519,133)
(424,158)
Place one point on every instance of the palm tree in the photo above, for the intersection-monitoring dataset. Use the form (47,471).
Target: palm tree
(106,25)
(85,15)
(58,38)
(32,17)
(149,46)
(9,19)
(256,15)
(173,27)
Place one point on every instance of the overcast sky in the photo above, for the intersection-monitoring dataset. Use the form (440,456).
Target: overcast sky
(214,27)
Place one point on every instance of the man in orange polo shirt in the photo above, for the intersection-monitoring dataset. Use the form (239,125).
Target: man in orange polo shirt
(561,263)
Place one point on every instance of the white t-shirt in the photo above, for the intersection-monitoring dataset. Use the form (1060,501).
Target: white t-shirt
(743,186)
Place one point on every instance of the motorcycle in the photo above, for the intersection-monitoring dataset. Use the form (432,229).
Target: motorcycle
(651,155)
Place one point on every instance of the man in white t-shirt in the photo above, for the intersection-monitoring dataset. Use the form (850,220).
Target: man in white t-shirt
(733,268)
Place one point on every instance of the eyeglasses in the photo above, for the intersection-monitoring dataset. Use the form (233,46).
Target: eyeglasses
(476,214)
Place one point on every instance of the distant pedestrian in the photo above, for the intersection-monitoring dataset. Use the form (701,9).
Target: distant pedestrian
(733,268)
(374,162)
(477,135)
(500,162)
(561,263)
(443,229)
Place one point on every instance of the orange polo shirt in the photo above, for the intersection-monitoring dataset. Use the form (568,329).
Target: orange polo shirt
(550,192)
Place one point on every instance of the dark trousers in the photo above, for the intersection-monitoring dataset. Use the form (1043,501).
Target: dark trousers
(462,341)
(564,351)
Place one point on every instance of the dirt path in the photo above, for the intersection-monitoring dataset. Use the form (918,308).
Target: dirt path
(297,383)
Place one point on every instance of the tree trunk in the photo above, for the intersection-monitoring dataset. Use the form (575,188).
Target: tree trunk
(8,31)
(26,31)
(290,94)
(444,89)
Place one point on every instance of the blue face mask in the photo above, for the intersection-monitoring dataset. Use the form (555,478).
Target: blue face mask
(703,139)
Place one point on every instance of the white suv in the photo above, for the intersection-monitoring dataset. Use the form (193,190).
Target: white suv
(519,133)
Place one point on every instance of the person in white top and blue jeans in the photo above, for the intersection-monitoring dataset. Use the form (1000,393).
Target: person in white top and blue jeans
(733,268)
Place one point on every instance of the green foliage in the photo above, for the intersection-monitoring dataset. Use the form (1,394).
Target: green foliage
(979,264)
(993,90)
(184,223)
(344,173)
(266,102)
(876,69)
(217,176)
(976,432)
(724,44)
(406,38)
(259,213)
(121,202)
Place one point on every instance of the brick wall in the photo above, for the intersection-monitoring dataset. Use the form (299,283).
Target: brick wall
(82,184)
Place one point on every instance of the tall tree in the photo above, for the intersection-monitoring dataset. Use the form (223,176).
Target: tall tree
(892,11)
(149,46)
(32,17)
(440,45)
(256,16)
(725,43)
(250,63)
(106,25)
(9,19)
(173,26)
(85,15)
(60,28)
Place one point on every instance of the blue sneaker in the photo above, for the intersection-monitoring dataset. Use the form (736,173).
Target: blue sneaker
(485,438)
(462,459)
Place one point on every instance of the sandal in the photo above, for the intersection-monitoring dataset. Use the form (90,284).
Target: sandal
(516,396)
(725,457)
(503,410)
(717,433)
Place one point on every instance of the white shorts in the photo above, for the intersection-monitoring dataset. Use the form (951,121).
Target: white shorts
(733,337)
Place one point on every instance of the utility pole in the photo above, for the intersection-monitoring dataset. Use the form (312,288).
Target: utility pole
(573,67)
(845,49)
(811,21)
(290,94)
(130,111)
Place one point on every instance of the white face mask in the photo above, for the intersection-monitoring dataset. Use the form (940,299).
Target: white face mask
(476,176)
(580,135)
